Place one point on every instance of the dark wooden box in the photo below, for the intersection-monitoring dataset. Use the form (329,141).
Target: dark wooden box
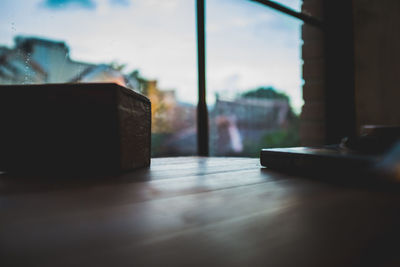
(70,127)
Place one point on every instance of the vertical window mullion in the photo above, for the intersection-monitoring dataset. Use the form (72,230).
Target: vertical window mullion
(202,112)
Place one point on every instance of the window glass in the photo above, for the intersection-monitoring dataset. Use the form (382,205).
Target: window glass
(253,77)
(147,45)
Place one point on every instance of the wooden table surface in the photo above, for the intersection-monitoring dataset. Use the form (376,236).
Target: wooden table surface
(193,211)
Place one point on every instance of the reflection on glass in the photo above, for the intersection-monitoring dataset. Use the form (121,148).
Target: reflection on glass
(253,75)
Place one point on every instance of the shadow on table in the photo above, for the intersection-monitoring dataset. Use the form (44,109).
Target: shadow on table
(363,179)
(24,182)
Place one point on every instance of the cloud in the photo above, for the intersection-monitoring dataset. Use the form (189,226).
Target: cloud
(60,4)
(120,2)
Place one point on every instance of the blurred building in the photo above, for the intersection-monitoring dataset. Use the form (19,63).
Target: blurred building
(16,67)
(234,122)
(38,60)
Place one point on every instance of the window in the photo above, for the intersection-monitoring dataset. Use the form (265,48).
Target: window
(253,77)
(147,45)
(253,63)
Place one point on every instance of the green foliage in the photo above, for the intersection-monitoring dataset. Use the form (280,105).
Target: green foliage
(265,92)
(143,82)
(286,136)
(117,66)
(157,141)
(281,138)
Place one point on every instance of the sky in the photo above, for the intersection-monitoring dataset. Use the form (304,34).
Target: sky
(247,44)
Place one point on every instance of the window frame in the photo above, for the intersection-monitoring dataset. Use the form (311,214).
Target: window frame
(202,111)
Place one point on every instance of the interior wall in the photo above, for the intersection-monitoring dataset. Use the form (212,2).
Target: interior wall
(312,119)
(328,113)
(377,61)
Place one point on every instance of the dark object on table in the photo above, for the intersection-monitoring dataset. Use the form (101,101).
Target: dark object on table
(374,139)
(374,153)
(69,127)
(308,160)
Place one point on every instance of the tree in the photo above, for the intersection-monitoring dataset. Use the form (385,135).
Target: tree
(288,135)
(160,109)
(266,93)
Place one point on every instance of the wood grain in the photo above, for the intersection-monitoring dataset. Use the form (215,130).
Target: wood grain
(195,212)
